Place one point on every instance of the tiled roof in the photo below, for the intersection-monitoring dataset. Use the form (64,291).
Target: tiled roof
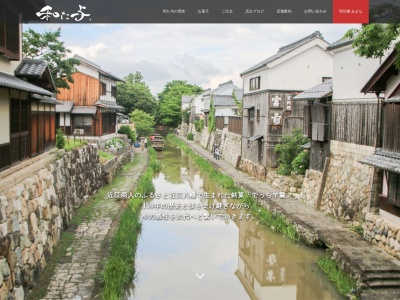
(385,160)
(393,99)
(13,82)
(84,110)
(31,67)
(46,99)
(187,98)
(285,50)
(223,101)
(66,107)
(225,88)
(339,43)
(317,92)
(109,104)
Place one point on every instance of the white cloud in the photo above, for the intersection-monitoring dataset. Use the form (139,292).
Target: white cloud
(203,54)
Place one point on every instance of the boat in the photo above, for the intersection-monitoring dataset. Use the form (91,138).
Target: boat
(157,142)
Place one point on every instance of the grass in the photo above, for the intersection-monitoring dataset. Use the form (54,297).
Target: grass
(104,156)
(70,144)
(357,229)
(277,222)
(154,163)
(119,268)
(344,283)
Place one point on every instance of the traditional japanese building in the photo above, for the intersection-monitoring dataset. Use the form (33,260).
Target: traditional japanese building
(269,88)
(93,94)
(385,86)
(27,105)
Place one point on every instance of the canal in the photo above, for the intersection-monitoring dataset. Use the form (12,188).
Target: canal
(197,247)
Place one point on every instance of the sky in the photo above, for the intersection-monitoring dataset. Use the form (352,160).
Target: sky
(202,54)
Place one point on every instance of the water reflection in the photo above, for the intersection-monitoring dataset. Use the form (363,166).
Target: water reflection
(239,259)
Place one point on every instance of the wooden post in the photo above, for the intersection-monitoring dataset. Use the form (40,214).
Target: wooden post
(322,185)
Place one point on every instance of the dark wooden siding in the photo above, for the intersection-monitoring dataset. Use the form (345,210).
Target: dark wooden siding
(295,118)
(354,123)
(391,132)
(219,123)
(235,125)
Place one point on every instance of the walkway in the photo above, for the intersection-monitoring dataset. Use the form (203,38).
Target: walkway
(75,279)
(379,272)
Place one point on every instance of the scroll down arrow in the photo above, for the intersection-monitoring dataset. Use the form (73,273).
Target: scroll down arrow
(200,276)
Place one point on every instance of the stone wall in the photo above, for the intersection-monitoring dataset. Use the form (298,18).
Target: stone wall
(348,184)
(111,167)
(311,185)
(230,146)
(35,211)
(288,184)
(383,232)
(254,169)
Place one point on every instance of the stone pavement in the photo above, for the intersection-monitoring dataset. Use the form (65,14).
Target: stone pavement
(379,273)
(75,280)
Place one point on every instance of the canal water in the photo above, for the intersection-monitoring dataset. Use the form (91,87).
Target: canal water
(194,246)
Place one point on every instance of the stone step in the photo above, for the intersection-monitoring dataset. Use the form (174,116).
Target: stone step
(384,283)
(384,275)
(381,294)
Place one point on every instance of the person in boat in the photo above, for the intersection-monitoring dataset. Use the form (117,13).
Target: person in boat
(145,143)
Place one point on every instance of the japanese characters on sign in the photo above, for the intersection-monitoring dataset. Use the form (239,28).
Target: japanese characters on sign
(46,13)
(276,119)
(288,104)
(276,101)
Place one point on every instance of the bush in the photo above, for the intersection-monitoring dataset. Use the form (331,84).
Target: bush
(199,124)
(125,129)
(301,162)
(115,144)
(189,136)
(60,139)
(288,148)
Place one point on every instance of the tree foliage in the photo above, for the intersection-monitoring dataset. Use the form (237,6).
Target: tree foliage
(238,103)
(48,47)
(288,148)
(135,94)
(170,101)
(211,117)
(375,40)
(144,123)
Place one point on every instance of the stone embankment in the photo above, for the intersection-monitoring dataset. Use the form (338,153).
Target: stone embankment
(75,279)
(378,273)
(35,210)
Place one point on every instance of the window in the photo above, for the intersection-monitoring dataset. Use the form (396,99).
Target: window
(103,88)
(393,188)
(251,114)
(258,115)
(113,91)
(255,83)
(9,36)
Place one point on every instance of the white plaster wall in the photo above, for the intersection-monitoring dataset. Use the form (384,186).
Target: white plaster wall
(298,70)
(391,85)
(302,71)
(225,111)
(350,74)
(4,116)
(109,82)
(88,70)
(185,105)
(199,104)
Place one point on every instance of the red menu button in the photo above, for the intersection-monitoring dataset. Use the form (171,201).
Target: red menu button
(351,11)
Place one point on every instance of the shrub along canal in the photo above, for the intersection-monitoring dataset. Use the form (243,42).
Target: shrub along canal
(199,248)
